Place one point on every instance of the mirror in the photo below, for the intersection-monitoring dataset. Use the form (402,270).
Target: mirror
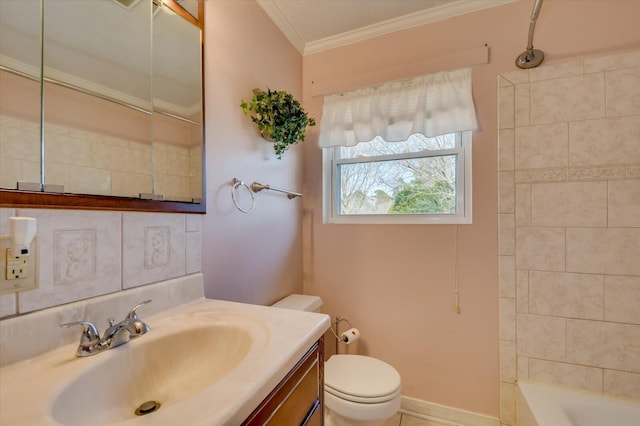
(177,106)
(20,28)
(122,112)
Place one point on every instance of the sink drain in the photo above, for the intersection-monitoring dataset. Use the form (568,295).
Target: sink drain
(147,407)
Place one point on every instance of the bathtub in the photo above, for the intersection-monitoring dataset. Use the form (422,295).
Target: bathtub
(547,405)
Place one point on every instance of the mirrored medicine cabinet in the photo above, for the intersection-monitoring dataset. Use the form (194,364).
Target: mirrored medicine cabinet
(101,104)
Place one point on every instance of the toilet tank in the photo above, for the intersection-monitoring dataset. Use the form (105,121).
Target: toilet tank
(300,302)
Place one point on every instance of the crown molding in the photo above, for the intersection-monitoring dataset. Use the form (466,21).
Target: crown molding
(281,21)
(438,13)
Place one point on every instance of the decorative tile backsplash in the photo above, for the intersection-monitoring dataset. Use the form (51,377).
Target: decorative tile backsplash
(84,254)
(569,226)
(159,241)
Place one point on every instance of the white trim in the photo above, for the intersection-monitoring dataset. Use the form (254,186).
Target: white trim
(465,194)
(444,414)
(433,14)
(273,11)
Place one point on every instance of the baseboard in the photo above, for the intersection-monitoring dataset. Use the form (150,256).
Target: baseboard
(443,414)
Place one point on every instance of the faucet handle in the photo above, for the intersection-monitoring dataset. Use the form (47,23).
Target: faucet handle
(136,326)
(89,339)
(132,313)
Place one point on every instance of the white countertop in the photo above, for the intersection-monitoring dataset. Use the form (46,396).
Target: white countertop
(280,338)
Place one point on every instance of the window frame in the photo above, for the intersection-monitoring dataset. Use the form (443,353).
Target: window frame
(331,189)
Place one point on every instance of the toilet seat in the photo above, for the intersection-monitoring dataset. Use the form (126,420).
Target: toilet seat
(361,379)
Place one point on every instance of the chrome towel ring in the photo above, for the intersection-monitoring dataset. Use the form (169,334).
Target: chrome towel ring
(237,183)
(254,188)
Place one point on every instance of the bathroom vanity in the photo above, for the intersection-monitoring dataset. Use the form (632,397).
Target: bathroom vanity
(297,400)
(203,362)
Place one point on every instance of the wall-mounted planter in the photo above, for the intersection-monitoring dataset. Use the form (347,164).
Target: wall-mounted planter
(279,118)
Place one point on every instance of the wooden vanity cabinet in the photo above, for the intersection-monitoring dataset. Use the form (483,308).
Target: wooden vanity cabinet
(298,398)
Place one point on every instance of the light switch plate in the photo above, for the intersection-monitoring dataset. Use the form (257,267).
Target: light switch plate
(23,266)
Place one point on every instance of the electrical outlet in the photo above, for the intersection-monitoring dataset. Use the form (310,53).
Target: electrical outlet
(18,273)
(16,266)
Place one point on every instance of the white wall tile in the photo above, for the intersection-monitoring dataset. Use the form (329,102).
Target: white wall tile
(508,363)
(506,150)
(624,202)
(541,146)
(568,99)
(516,76)
(80,254)
(566,295)
(604,344)
(522,291)
(507,276)
(604,141)
(622,299)
(506,234)
(523,367)
(569,204)
(559,373)
(506,192)
(604,250)
(522,101)
(623,92)
(193,223)
(622,383)
(506,101)
(5,214)
(564,69)
(540,249)
(193,261)
(507,309)
(523,204)
(508,403)
(153,247)
(542,337)
(8,305)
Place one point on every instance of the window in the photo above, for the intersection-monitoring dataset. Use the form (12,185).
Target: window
(419,180)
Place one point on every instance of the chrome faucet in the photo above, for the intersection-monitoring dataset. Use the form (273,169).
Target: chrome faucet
(115,335)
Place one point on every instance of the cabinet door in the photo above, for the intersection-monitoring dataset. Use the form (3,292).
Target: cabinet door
(297,400)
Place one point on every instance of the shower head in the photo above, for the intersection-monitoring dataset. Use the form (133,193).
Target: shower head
(531,57)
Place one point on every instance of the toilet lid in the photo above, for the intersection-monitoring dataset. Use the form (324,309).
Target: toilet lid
(361,378)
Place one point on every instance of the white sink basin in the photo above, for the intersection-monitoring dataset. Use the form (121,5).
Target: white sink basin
(207,362)
(165,370)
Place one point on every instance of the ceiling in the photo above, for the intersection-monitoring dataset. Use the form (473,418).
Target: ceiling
(316,25)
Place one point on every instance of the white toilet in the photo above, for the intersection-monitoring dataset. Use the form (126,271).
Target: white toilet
(358,390)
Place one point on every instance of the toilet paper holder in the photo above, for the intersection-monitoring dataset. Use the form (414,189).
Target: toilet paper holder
(342,338)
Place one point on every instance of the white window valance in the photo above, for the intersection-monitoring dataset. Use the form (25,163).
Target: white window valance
(433,105)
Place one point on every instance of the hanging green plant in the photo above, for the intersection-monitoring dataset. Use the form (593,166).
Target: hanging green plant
(279,118)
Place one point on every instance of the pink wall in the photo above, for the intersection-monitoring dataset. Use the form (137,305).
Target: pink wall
(254,257)
(395,282)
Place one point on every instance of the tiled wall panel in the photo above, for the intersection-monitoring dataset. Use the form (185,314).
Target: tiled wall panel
(83,254)
(571,135)
(569,204)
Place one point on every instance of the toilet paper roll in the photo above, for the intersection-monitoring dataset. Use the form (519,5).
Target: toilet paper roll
(350,336)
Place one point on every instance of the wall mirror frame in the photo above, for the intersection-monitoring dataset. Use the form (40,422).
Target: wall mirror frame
(193,13)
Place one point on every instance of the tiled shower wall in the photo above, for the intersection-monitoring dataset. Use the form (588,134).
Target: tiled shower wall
(569,226)
(83,254)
